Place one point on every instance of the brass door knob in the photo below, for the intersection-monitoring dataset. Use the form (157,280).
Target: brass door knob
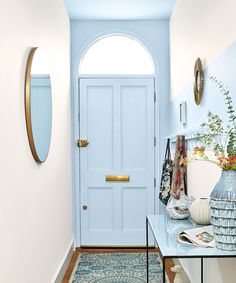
(82,143)
(85,207)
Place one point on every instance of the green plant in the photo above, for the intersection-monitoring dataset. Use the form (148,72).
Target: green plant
(219,137)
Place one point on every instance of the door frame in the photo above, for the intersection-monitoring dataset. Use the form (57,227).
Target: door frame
(76,153)
(80,50)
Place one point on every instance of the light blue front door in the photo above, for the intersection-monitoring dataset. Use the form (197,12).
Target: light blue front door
(117,119)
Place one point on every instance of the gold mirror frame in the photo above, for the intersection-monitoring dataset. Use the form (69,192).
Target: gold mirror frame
(198,75)
(28,106)
(33,80)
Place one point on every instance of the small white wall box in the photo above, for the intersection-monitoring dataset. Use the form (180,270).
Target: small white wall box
(182,112)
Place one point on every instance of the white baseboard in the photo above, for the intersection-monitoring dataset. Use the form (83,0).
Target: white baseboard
(65,263)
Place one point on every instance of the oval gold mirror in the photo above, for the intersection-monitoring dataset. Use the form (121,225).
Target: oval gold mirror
(198,81)
(38,104)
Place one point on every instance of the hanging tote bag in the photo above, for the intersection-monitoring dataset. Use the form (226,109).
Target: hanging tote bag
(179,181)
(166,177)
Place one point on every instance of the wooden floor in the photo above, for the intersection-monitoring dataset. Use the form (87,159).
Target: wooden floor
(169,262)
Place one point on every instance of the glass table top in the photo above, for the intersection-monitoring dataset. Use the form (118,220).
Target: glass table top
(165,231)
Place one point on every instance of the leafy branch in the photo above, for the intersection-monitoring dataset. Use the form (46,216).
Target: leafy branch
(215,135)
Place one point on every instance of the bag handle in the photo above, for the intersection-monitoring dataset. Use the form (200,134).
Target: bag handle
(167,154)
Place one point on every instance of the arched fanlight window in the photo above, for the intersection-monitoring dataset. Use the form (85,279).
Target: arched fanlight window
(117,54)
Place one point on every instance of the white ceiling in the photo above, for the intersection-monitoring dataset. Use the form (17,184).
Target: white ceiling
(119,9)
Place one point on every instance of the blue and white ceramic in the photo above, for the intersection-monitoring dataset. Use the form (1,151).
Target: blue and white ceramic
(223,211)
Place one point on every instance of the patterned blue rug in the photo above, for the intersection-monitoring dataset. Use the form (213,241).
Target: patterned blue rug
(116,268)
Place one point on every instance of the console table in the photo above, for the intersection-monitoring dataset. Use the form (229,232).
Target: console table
(165,230)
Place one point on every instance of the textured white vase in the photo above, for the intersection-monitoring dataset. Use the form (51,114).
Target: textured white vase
(200,211)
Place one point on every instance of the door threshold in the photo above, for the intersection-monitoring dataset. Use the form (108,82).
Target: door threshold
(113,247)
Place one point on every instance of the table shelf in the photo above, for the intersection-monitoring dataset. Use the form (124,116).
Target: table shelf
(165,231)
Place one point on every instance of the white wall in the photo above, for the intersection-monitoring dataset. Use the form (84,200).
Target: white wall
(35,202)
(198,29)
(202,29)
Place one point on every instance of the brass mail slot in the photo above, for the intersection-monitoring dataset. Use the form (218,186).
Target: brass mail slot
(117,178)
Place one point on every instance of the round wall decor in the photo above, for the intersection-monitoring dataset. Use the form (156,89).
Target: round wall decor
(38,103)
(198,81)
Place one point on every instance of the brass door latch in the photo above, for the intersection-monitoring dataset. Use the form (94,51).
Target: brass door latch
(82,143)
(110,178)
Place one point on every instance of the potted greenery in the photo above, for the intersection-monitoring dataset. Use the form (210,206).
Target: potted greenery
(221,138)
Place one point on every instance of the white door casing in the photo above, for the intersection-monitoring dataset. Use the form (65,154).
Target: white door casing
(117,119)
